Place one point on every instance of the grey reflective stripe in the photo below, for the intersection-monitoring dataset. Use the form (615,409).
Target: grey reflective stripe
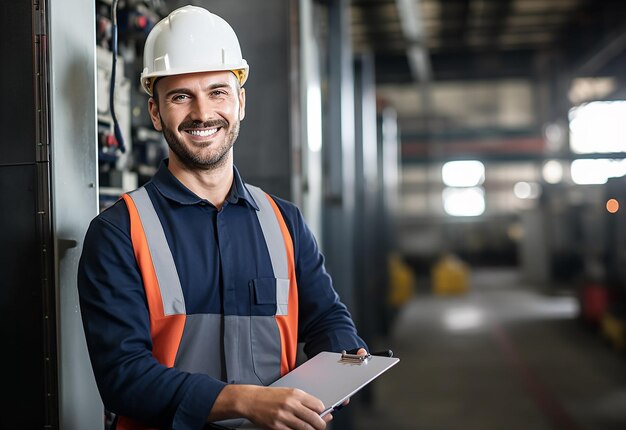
(282,296)
(252,349)
(231,348)
(164,267)
(266,348)
(200,349)
(276,247)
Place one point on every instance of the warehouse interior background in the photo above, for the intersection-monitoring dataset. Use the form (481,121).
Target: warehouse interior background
(461,162)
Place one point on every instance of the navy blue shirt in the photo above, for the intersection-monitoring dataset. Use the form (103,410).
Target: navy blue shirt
(213,250)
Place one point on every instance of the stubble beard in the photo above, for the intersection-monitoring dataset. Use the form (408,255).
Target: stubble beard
(196,161)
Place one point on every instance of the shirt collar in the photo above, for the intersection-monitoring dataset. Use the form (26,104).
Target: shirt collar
(170,187)
(240,191)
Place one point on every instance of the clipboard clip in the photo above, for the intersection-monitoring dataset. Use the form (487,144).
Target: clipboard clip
(354,358)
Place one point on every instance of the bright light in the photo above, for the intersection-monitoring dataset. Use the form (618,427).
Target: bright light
(553,172)
(598,127)
(589,172)
(525,190)
(612,206)
(464,201)
(463,319)
(467,173)
(314,118)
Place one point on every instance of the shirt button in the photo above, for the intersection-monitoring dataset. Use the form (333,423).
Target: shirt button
(202,203)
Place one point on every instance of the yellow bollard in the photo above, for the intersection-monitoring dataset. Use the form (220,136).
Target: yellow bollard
(401,280)
(614,331)
(450,276)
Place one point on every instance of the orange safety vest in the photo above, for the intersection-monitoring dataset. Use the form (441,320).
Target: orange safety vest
(259,362)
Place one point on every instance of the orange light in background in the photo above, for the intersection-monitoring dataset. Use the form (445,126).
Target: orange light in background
(612,206)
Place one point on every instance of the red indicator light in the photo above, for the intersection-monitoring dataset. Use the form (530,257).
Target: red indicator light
(142,22)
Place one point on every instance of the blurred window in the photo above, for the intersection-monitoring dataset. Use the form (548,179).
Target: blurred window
(466,173)
(464,201)
(598,127)
(588,172)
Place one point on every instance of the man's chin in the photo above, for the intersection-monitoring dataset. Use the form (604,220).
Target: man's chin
(216,139)
(206,162)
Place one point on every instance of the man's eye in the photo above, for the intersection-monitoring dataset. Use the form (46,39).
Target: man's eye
(180,97)
(218,93)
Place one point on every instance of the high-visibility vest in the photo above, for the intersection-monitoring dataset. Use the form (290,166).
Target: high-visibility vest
(257,349)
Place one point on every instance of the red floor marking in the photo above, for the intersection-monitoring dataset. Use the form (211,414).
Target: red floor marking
(546,401)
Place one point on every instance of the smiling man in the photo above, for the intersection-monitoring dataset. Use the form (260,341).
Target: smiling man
(197,288)
(211,130)
(199,115)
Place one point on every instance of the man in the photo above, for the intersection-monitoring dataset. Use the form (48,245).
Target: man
(196,288)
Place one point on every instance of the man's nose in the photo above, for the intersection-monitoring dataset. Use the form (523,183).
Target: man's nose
(201,109)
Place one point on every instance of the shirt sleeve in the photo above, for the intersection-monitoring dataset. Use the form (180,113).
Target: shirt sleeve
(325,324)
(117,328)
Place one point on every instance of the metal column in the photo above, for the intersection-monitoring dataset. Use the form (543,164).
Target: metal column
(311,107)
(338,163)
(72,87)
(388,168)
(338,153)
(367,266)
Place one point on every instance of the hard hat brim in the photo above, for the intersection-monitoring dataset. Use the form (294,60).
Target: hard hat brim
(147,79)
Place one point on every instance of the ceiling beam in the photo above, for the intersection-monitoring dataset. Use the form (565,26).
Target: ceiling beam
(413,29)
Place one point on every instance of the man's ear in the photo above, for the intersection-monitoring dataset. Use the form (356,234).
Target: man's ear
(242,103)
(153,108)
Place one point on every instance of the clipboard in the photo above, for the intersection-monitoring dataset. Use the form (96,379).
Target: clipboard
(334,377)
(330,376)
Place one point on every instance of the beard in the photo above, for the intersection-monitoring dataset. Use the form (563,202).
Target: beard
(197,160)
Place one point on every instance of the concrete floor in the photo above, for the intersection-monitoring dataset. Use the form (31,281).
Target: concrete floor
(503,357)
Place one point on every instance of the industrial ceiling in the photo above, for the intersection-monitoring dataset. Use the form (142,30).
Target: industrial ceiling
(416,40)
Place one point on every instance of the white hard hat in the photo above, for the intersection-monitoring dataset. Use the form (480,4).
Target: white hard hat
(191,39)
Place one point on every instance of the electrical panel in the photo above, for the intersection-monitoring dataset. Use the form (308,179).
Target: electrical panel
(123,166)
(114,166)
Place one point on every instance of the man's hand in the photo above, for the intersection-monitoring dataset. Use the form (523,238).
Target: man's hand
(270,407)
(361,351)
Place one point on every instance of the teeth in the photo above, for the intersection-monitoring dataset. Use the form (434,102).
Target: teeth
(203,133)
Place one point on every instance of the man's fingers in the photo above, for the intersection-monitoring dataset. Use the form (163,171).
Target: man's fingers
(310,417)
(313,407)
(286,408)
(306,411)
(312,402)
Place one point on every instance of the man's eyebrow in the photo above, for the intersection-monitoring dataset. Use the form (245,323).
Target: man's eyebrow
(184,90)
(217,85)
(177,91)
